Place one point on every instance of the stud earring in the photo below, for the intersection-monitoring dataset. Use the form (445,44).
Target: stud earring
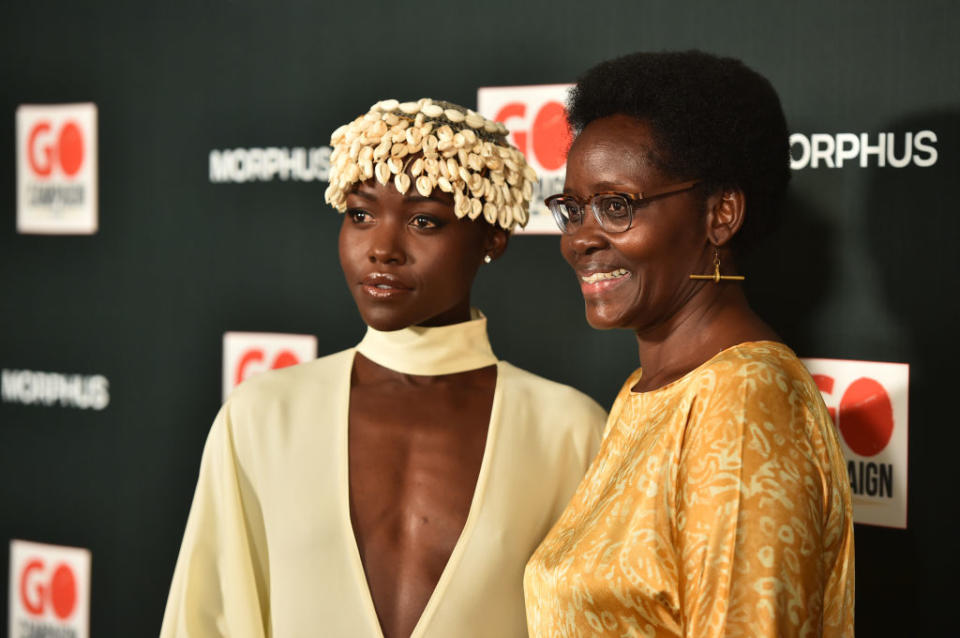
(487,259)
(716,276)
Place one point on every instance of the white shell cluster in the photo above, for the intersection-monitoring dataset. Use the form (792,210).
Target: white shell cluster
(431,144)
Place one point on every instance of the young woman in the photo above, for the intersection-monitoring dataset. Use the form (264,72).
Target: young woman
(718,504)
(396,488)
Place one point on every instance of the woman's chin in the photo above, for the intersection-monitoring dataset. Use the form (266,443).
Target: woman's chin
(600,318)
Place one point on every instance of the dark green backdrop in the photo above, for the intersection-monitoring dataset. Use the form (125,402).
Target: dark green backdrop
(865,267)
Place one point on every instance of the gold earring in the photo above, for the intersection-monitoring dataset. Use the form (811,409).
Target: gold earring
(716,276)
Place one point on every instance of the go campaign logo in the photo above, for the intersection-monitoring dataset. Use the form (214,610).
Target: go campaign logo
(246,354)
(57,169)
(869,405)
(49,591)
(538,126)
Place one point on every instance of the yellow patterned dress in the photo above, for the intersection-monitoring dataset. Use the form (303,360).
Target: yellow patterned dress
(718,505)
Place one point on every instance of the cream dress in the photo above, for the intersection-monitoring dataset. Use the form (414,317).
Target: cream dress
(269,548)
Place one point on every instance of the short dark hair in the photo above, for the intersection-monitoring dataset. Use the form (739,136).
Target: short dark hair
(712,118)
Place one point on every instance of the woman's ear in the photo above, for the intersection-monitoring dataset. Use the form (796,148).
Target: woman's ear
(725,215)
(495,243)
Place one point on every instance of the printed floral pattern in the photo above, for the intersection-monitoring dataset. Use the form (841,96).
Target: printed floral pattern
(718,505)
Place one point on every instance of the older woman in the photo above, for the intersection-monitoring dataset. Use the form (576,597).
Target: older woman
(396,488)
(718,504)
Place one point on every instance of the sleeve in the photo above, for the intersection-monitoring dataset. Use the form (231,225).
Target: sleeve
(217,589)
(752,489)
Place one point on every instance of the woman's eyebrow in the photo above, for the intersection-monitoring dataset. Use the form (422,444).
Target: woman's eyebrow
(432,198)
(368,196)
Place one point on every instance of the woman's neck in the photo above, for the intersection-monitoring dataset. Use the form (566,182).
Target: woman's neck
(712,321)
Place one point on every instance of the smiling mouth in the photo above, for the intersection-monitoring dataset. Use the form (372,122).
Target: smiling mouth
(619,273)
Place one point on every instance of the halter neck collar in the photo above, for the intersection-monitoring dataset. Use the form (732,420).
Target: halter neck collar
(431,351)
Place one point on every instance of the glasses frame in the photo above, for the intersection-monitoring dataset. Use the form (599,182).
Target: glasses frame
(632,198)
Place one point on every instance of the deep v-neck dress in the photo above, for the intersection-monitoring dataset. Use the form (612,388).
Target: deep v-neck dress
(269,549)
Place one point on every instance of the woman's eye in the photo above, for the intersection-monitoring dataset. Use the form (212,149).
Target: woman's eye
(615,207)
(359,216)
(424,222)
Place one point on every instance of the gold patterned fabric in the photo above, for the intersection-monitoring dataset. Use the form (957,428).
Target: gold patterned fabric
(718,505)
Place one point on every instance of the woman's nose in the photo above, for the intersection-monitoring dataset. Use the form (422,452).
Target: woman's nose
(386,245)
(588,237)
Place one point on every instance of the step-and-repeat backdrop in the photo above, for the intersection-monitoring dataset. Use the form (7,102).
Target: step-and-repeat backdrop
(163,237)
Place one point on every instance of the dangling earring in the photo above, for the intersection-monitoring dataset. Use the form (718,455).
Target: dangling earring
(716,276)
(487,259)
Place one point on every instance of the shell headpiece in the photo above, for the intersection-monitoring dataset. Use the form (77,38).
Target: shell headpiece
(431,144)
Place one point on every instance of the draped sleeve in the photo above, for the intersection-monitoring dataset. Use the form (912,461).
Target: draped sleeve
(219,585)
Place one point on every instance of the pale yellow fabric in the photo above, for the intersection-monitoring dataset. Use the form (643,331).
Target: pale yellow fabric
(718,505)
(431,351)
(269,549)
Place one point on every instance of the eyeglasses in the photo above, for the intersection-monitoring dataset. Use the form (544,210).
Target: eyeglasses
(614,211)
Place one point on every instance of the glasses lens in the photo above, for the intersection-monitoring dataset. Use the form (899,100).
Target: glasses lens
(614,212)
(566,212)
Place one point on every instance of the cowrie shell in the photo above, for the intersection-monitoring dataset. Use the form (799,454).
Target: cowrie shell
(395,164)
(494,163)
(414,136)
(476,207)
(338,133)
(527,191)
(529,173)
(521,216)
(454,115)
(433,110)
(469,136)
(444,145)
(355,149)
(402,182)
(424,186)
(450,152)
(398,150)
(488,191)
(513,178)
(388,105)
(489,212)
(328,193)
(459,140)
(452,168)
(366,153)
(490,126)
(464,174)
(505,216)
(474,121)
(417,167)
(445,133)
(366,169)
(512,165)
(382,150)
(382,172)
(444,184)
(418,121)
(431,166)
(352,173)
(391,119)
(409,107)
(475,162)
(462,207)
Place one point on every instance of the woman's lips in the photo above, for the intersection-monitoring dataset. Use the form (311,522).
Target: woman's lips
(383,286)
(600,281)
